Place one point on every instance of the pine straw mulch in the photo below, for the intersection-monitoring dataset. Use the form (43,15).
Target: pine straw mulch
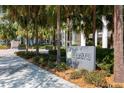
(80,82)
(110,80)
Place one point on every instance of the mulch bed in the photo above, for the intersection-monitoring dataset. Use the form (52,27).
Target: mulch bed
(80,82)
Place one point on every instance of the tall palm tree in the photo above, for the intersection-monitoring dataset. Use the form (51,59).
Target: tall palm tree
(118,44)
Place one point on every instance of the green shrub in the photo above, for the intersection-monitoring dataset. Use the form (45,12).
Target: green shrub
(75,45)
(97,78)
(52,58)
(49,47)
(61,67)
(105,59)
(63,59)
(22,46)
(25,54)
(4,47)
(29,55)
(78,74)
(102,53)
(83,72)
(75,75)
(36,59)
(43,61)
(51,64)
(44,46)
(89,43)
(54,52)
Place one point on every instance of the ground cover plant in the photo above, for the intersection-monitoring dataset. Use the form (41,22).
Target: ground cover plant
(4,47)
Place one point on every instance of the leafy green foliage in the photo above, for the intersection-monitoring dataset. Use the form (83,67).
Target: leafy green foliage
(43,61)
(54,52)
(105,59)
(25,54)
(36,59)
(51,65)
(97,78)
(61,67)
(78,74)
(45,46)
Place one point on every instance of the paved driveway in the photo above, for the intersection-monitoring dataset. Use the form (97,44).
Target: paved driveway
(16,72)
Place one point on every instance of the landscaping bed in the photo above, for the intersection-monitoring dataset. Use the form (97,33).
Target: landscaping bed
(102,77)
(4,47)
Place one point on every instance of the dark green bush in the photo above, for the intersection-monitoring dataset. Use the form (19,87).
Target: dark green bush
(61,67)
(102,53)
(89,43)
(43,61)
(36,59)
(53,55)
(51,64)
(25,54)
(52,58)
(54,52)
(49,47)
(97,78)
(105,59)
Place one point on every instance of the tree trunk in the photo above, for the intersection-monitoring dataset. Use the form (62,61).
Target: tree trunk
(37,43)
(26,40)
(104,32)
(94,23)
(54,40)
(69,32)
(83,39)
(96,35)
(58,34)
(118,44)
(73,37)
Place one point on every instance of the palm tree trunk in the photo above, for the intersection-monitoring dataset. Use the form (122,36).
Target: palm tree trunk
(118,44)
(58,34)
(68,38)
(54,39)
(26,40)
(94,23)
(37,44)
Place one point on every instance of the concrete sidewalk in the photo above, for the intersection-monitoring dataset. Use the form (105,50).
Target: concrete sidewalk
(16,72)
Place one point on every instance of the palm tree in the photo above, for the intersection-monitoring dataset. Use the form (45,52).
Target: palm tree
(118,44)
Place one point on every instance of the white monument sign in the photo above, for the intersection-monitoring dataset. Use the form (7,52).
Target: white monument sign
(81,57)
